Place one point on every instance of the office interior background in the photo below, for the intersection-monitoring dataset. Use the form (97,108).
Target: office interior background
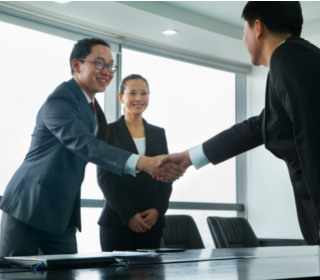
(201,82)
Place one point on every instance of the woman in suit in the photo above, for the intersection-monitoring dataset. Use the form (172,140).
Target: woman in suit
(133,213)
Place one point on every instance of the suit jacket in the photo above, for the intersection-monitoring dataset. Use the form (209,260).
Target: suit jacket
(288,127)
(127,196)
(45,191)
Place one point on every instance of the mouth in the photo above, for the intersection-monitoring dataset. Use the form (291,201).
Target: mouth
(102,80)
(138,106)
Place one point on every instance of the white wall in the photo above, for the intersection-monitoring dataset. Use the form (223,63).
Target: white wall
(271,205)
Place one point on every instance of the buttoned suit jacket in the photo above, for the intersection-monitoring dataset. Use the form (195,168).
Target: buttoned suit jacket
(127,196)
(45,191)
(288,127)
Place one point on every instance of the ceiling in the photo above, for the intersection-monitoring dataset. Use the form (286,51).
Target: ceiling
(230,11)
(208,30)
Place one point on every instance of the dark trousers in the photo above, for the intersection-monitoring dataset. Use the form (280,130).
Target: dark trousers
(123,239)
(19,239)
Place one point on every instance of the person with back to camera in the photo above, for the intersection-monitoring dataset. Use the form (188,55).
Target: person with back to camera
(288,126)
(133,213)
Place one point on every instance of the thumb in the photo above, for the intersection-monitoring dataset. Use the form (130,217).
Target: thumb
(163,161)
(144,213)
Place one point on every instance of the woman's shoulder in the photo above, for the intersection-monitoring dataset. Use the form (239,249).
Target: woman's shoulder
(154,127)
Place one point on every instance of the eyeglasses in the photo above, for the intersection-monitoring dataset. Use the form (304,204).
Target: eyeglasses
(112,68)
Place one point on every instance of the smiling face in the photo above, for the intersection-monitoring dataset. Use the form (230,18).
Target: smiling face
(90,79)
(135,96)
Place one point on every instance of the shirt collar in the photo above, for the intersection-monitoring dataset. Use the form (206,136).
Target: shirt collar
(87,97)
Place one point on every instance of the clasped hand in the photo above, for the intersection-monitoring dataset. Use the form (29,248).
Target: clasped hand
(168,170)
(181,159)
(141,222)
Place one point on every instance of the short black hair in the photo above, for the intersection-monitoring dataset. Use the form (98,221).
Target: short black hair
(278,16)
(131,77)
(82,48)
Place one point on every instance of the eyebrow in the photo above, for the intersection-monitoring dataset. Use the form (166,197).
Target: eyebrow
(104,59)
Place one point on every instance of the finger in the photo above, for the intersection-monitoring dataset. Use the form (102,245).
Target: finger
(163,161)
(176,167)
(145,213)
(172,175)
(142,229)
(145,226)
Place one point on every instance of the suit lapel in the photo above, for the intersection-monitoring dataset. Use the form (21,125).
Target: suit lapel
(150,139)
(83,102)
(126,136)
(103,125)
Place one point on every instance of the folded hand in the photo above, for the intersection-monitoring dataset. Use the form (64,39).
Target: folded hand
(150,216)
(137,224)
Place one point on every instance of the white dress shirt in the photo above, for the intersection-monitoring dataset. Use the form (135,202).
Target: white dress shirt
(141,145)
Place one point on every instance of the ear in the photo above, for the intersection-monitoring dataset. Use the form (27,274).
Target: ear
(120,97)
(76,65)
(259,28)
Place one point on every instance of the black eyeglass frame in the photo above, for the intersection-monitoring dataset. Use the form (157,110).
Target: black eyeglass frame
(97,62)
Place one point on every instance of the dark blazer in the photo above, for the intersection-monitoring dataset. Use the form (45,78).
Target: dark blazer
(288,127)
(127,196)
(45,191)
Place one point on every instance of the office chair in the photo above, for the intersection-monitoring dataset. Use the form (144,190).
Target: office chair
(181,232)
(232,233)
(237,233)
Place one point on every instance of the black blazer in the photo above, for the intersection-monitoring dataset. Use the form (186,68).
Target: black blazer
(289,127)
(45,191)
(127,196)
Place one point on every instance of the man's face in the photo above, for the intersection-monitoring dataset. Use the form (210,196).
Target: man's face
(251,42)
(90,79)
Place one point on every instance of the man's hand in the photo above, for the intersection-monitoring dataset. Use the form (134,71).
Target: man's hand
(150,216)
(182,159)
(168,170)
(137,224)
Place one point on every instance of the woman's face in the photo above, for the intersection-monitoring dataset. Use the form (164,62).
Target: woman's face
(135,96)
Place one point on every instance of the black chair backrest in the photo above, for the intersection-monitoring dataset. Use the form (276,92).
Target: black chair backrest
(232,232)
(181,232)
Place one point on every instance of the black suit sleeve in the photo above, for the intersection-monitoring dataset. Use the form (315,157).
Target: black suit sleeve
(238,139)
(295,74)
(161,202)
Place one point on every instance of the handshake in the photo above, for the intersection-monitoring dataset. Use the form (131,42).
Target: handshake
(166,168)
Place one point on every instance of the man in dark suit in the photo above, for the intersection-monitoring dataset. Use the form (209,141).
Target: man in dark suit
(41,204)
(289,124)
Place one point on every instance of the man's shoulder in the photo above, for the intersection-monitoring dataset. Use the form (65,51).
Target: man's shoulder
(294,46)
(64,90)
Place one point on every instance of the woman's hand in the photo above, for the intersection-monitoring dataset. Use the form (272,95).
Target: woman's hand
(150,216)
(137,224)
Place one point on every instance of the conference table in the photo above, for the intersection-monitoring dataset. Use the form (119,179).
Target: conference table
(292,262)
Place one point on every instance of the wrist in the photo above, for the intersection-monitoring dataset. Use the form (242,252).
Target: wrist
(186,155)
(141,163)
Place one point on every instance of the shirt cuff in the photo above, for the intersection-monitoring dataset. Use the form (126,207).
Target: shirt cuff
(130,165)
(197,156)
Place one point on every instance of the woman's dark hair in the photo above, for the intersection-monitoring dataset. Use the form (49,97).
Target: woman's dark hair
(131,77)
(278,16)
(83,47)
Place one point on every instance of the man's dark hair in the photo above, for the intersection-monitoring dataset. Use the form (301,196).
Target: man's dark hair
(131,77)
(278,16)
(83,47)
